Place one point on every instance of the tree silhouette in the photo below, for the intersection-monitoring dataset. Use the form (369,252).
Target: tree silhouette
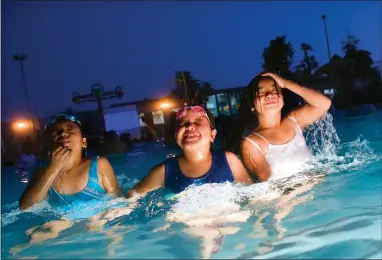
(278,56)
(205,90)
(362,59)
(197,91)
(350,44)
(188,82)
(307,65)
(354,68)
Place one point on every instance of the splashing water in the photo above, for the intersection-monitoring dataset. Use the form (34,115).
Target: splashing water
(322,138)
(332,156)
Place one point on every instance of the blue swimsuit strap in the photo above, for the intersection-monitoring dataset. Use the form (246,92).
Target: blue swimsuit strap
(93,181)
(93,171)
(93,187)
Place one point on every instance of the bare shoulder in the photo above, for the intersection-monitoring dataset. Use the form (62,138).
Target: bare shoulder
(104,167)
(158,169)
(239,172)
(103,161)
(229,154)
(249,144)
(153,180)
(231,158)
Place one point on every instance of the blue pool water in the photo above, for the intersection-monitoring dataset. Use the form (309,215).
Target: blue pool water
(335,216)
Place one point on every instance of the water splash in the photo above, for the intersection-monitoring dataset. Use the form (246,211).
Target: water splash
(43,210)
(322,138)
(332,155)
(351,156)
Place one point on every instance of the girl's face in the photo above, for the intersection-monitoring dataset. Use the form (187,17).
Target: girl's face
(269,99)
(194,132)
(68,134)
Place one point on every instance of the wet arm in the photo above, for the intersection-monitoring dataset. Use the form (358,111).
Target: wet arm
(38,187)
(108,179)
(152,181)
(317,104)
(255,161)
(239,172)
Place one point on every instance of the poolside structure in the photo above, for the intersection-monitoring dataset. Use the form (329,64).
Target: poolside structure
(378,65)
(226,102)
(142,118)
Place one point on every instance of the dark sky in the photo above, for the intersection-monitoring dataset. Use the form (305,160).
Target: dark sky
(71,45)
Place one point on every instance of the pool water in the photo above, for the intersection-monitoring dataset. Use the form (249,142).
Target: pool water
(335,213)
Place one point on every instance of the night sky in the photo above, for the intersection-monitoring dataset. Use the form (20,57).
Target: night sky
(71,45)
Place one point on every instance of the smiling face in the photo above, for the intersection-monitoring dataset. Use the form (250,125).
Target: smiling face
(194,132)
(68,134)
(268,99)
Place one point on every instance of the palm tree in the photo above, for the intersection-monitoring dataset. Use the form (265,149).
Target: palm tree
(350,44)
(186,86)
(307,64)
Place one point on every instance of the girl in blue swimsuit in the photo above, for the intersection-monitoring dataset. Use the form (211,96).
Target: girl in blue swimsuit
(69,176)
(197,164)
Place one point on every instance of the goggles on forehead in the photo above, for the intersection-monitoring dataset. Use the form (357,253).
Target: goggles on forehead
(65,117)
(196,109)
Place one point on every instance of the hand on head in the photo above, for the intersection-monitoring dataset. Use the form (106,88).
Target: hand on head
(279,80)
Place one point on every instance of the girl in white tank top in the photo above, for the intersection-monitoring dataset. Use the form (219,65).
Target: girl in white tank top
(288,158)
(265,158)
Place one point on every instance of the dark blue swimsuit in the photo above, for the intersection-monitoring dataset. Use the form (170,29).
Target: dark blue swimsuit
(219,172)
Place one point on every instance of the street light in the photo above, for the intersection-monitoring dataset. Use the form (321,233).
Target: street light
(164,105)
(22,126)
(323,17)
(20,57)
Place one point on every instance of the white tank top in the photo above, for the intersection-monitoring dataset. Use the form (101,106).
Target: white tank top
(286,159)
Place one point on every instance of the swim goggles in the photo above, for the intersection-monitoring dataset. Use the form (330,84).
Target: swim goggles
(181,113)
(61,116)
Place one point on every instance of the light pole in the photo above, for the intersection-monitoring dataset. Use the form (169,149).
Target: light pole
(180,77)
(326,35)
(20,57)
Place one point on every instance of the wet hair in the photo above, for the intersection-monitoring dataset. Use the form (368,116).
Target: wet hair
(253,88)
(211,118)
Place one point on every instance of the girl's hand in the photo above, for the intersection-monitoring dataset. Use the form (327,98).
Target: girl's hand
(279,80)
(60,157)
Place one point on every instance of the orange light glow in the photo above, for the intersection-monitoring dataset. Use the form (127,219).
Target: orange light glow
(22,125)
(165,105)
